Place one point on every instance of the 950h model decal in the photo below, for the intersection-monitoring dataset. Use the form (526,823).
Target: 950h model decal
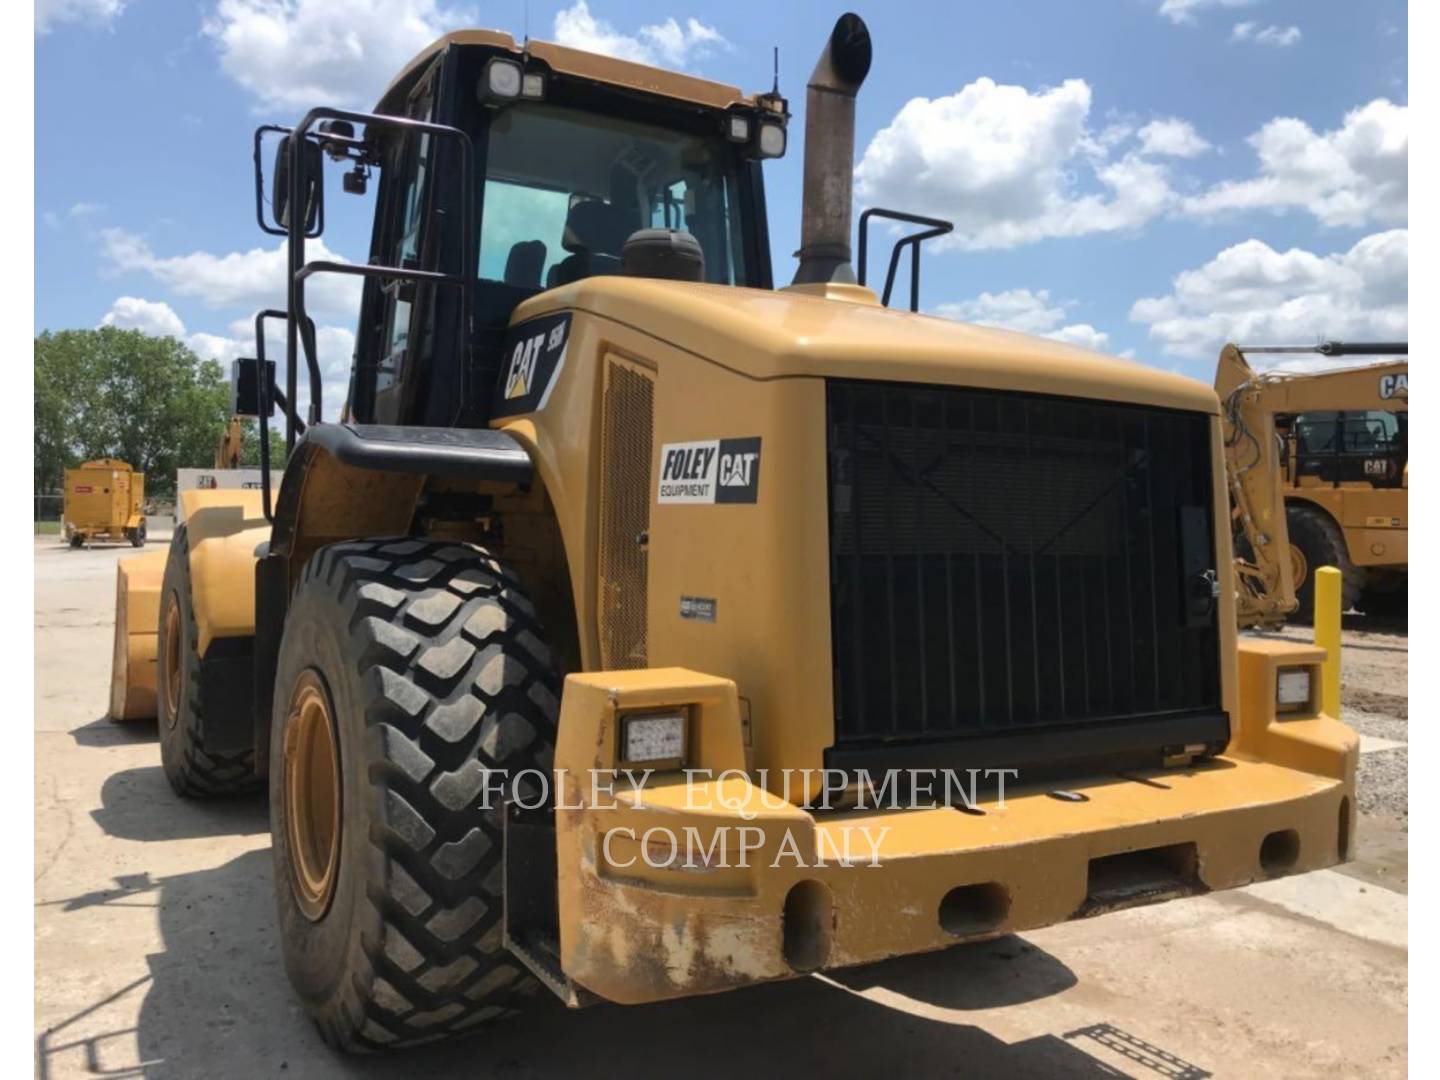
(532,358)
(710,471)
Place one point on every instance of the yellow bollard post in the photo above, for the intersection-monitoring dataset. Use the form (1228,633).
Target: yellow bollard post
(1327,636)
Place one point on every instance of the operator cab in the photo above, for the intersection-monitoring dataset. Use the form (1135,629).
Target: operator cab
(1368,446)
(572,158)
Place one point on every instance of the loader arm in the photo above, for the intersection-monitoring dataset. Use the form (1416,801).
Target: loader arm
(1254,451)
(228,451)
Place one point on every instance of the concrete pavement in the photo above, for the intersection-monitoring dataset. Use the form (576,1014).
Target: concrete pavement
(156,952)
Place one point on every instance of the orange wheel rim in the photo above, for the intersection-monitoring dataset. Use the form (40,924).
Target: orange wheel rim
(172,661)
(1299,568)
(312,795)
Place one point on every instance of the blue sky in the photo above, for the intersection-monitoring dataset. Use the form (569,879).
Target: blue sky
(1147,177)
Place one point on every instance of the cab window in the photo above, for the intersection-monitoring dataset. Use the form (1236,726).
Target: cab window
(564,189)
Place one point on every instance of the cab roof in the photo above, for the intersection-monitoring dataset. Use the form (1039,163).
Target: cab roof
(585,65)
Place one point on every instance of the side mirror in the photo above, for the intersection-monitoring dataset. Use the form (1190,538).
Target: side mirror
(310,186)
(252,387)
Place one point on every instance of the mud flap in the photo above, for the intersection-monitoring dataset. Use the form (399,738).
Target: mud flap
(531,917)
(272,597)
(227,690)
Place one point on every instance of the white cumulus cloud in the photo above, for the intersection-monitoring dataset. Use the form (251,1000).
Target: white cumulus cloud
(152,317)
(1254,295)
(1281,37)
(89,12)
(1183,11)
(1010,166)
(295,54)
(1171,137)
(1029,312)
(1356,174)
(251,279)
(668,44)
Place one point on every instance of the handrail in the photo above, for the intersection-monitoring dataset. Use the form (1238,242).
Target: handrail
(298,339)
(938,227)
(268,391)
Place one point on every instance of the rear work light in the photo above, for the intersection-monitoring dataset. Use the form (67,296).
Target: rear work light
(771,142)
(654,738)
(1292,689)
(501,82)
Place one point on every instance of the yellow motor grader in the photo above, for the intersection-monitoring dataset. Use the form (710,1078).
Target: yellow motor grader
(1319,475)
(618,637)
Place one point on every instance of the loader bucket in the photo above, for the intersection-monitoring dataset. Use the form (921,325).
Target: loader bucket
(137,630)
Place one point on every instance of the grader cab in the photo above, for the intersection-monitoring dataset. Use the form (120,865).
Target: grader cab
(617,637)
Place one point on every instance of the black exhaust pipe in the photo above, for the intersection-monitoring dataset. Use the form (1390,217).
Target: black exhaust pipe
(830,154)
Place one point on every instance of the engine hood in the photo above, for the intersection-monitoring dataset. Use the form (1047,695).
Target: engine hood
(789,334)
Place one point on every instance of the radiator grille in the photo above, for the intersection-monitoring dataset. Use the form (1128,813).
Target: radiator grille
(1004,563)
(625,451)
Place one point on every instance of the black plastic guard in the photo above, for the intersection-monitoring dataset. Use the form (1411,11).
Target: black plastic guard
(483,452)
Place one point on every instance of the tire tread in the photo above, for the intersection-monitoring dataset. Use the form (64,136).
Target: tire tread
(439,966)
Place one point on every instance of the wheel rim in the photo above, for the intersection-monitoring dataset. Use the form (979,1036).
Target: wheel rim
(1299,568)
(312,795)
(172,661)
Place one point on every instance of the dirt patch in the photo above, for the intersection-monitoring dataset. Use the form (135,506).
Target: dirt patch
(1372,701)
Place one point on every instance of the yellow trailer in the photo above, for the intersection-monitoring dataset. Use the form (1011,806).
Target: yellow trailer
(104,500)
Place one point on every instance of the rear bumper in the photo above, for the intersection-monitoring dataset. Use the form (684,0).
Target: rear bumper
(707,884)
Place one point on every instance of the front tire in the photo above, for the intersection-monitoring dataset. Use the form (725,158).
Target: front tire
(421,667)
(193,771)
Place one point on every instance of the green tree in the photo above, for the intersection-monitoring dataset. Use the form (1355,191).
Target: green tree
(250,443)
(149,401)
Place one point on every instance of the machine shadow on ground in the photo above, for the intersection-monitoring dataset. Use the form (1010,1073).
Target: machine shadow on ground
(102,731)
(127,810)
(216,1001)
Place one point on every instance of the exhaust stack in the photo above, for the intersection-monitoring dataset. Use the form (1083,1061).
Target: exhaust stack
(830,154)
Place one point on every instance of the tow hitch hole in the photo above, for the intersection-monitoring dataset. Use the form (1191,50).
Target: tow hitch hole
(1280,851)
(1344,844)
(1131,878)
(974,909)
(809,921)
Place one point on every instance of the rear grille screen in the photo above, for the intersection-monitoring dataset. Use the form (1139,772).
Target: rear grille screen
(1004,563)
(626,422)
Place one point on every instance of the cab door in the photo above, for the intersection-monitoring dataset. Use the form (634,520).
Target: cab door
(405,309)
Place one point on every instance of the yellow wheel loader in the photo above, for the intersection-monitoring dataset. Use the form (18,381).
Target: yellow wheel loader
(646,630)
(1318,469)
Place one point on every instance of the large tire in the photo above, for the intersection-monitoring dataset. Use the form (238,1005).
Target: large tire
(77,540)
(193,771)
(1386,595)
(136,536)
(435,674)
(1321,543)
